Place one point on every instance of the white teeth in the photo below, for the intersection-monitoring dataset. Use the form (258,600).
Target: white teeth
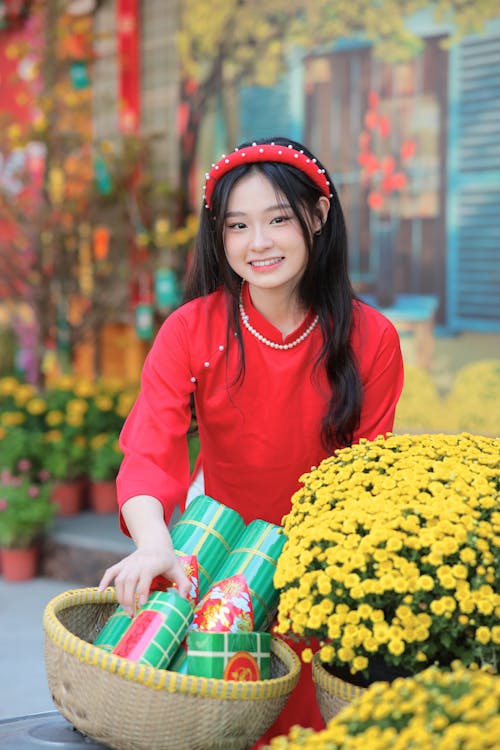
(268,262)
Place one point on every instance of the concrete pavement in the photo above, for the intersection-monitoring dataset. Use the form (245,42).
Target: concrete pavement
(85,538)
(23,683)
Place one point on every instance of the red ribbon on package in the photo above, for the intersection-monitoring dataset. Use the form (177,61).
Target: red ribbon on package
(127,17)
(190,565)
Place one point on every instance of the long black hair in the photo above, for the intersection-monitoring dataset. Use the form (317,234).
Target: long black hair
(325,286)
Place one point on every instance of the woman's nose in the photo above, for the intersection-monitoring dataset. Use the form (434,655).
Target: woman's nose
(260,238)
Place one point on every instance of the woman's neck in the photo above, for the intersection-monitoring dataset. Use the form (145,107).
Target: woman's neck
(283,310)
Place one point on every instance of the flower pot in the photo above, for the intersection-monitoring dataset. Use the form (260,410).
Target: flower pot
(332,693)
(103,496)
(68,496)
(19,564)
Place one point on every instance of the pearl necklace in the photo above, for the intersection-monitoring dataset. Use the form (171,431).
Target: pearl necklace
(268,342)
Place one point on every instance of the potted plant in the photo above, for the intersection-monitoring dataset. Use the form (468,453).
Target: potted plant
(435,709)
(108,408)
(392,558)
(105,457)
(26,510)
(66,462)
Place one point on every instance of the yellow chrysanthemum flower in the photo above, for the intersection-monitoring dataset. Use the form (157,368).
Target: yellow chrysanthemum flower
(387,535)
(434,710)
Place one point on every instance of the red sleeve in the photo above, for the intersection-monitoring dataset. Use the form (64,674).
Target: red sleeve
(153,438)
(381,366)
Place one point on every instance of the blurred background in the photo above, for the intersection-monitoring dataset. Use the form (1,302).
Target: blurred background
(112,110)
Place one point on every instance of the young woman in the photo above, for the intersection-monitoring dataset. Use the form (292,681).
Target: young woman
(283,362)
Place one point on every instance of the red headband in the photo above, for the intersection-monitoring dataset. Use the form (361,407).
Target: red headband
(266,152)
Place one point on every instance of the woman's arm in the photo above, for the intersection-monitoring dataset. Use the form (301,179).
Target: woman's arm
(383,375)
(144,516)
(154,437)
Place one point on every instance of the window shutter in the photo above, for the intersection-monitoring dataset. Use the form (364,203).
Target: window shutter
(474,184)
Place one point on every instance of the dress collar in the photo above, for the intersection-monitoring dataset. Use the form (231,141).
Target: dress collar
(267,329)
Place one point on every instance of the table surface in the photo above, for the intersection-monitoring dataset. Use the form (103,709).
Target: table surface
(49,729)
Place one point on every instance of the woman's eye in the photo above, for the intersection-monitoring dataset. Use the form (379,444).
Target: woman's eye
(236,225)
(279,219)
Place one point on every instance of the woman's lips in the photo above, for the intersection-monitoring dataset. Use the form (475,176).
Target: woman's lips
(264,265)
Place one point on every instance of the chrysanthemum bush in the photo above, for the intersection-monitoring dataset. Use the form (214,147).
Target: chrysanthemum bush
(470,404)
(421,408)
(435,710)
(475,397)
(393,555)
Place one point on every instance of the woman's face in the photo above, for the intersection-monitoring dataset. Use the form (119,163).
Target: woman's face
(263,238)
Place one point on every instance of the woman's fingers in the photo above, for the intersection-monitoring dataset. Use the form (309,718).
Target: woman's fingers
(125,575)
(108,576)
(133,575)
(126,590)
(181,580)
(143,587)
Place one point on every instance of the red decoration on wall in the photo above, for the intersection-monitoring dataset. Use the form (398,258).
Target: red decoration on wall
(100,238)
(21,167)
(382,172)
(127,17)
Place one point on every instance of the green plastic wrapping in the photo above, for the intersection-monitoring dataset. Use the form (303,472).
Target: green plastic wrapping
(155,633)
(229,656)
(179,661)
(208,530)
(255,555)
(113,629)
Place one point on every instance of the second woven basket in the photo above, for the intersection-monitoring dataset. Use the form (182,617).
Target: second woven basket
(332,693)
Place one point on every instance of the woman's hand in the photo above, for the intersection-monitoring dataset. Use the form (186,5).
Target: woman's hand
(154,555)
(133,575)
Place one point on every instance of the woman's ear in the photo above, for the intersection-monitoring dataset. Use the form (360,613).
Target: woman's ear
(322,208)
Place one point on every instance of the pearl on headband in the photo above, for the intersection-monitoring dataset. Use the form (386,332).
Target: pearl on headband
(262,153)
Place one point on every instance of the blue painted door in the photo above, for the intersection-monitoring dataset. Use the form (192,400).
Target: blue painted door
(473,210)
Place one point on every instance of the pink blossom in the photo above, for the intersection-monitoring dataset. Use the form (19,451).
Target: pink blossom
(43,475)
(24,464)
(33,491)
(3,504)
(373,99)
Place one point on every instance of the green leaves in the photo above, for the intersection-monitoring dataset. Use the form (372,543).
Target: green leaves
(26,510)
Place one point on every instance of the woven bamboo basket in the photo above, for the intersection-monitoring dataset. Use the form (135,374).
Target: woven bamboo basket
(130,706)
(332,693)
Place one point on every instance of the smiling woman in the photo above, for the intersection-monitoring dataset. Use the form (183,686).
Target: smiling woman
(281,361)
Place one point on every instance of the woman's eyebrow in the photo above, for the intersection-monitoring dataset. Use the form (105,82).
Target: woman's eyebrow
(270,209)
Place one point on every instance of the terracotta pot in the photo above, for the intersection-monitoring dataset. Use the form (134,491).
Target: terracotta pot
(103,496)
(19,564)
(68,496)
